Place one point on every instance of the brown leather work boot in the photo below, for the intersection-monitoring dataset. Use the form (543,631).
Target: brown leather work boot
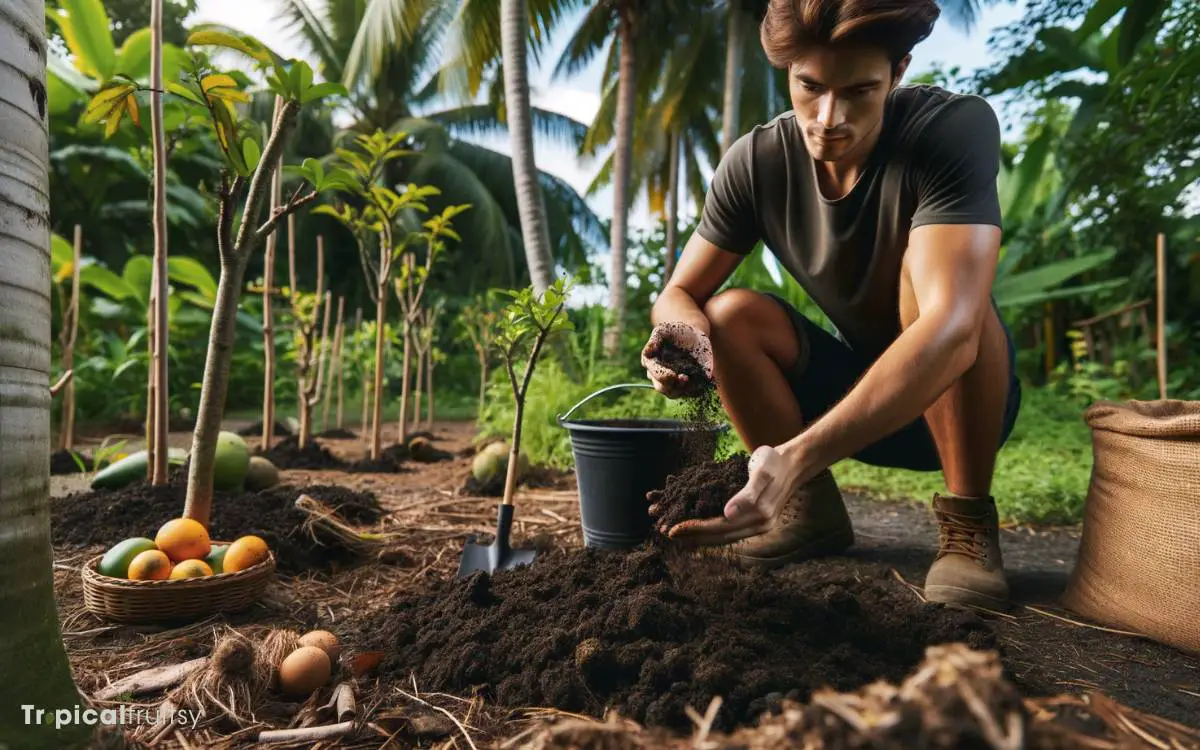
(812,523)
(968,568)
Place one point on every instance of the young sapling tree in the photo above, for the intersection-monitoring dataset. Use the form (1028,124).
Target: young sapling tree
(309,349)
(423,333)
(436,357)
(335,369)
(268,313)
(478,323)
(244,184)
(523,328)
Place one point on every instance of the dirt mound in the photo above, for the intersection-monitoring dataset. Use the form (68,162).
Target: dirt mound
(64,462)
(537,477)
(391,461)
(650,632)
(700,491)
(287,454)
(108,516)
(338,433)
(255,430)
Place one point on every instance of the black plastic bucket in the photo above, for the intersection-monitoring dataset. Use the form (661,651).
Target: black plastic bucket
(618,461)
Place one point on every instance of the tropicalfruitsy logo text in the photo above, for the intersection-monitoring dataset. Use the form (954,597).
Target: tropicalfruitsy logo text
(120,716)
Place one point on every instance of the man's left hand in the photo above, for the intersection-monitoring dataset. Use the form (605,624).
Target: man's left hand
(773,478)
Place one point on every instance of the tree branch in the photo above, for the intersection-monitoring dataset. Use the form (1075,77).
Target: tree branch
(282,213)
(62,381)
(542,335)
(228,199)
(268,163)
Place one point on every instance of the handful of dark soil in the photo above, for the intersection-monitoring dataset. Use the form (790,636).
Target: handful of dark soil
(648,633)
(108,516)
(682,363)
(700,491)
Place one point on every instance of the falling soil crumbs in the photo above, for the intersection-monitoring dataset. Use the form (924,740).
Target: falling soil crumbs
(650,632)
(287,454)
(67,462)
(256,429)
(700,491)
(107,516)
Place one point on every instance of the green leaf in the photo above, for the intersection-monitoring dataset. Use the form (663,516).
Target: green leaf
(109,101)
(322,90)
(192,272)
(133,59)
(85,27)
(138,272)
(1099,14)
(185,92)
(251,153)
(1139,17)
(106,282)
(1049,276)
(247,45)
(199,300)
(124,366)
(61,250)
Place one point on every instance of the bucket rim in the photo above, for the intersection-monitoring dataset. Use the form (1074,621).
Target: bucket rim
(652,425)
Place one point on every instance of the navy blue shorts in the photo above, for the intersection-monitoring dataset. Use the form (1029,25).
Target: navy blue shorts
(831,370)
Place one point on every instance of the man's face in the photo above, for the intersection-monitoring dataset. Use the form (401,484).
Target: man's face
(839,97)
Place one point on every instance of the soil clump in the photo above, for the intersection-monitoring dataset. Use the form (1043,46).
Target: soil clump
(64,462)
(256,429)
(699,491)
(338,433)
(391,461)
(287,454)
(105,517)
(651,631)
(681,362)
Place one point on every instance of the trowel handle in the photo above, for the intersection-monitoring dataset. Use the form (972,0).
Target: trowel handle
(606,389)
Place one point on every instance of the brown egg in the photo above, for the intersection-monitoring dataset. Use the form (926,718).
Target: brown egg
(304,670)
(325,641)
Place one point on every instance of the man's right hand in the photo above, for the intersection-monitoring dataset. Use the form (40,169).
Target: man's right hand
(666,381)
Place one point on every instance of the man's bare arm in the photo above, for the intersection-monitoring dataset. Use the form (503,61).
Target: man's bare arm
(950,269)
(703,268)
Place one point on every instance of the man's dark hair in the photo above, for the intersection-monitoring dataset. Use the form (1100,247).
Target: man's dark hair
(792,26)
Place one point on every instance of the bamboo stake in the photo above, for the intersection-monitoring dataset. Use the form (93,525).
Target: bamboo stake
(335,364)
(1162,315)
(158,455)
(429,389)
(66,437)
(268,418)
(341,414)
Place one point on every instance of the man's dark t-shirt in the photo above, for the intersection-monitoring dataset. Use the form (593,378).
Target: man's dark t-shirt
(935,163)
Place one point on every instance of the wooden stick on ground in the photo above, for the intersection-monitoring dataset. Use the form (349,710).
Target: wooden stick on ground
(151,680)
(307,734)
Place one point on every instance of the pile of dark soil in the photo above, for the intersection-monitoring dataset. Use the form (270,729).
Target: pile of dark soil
(338,433)
(287,454)
(391,461)
(255,430)
(106,517)
(650,632)
(537,477)
(699,491)
(64,462)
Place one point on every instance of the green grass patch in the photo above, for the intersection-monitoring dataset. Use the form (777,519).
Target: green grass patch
(1042,473)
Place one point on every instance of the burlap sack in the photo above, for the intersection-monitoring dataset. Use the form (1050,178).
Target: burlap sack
(1139,559)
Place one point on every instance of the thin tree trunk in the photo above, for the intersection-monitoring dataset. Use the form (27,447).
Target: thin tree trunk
(341,384)
(673,183)
(514,29)
(626,91)
(66,436)
(377,421)
(310,385)
(418,386)
(268,417)
(735,44)
(162,417)
(31,651)
(335,366)
(429,389)
(402,439)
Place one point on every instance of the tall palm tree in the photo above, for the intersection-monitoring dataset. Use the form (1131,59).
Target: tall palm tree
(391,54)
(31,650)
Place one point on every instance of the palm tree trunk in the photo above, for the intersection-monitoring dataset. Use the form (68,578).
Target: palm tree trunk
(672,205)
(735,43)
(626,91)
(514,25)
(31,650)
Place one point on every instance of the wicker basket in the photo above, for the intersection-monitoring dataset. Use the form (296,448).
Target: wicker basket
(122,600)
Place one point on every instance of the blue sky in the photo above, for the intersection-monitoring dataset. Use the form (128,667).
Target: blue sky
(578,96)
